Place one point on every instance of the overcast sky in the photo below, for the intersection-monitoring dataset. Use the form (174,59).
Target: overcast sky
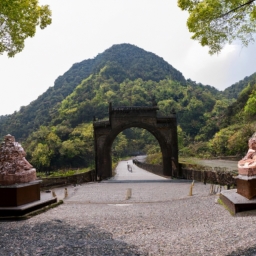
(83,28)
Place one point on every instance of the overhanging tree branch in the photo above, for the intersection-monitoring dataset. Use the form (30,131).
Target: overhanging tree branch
(236,8)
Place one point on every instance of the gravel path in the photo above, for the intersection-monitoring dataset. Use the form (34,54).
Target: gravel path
(159,219)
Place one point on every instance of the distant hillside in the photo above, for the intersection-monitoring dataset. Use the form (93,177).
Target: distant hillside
(131,62)
(230,123)
(234,113)
(40,111)
(68,139)
(233,91)
(123,61)
(91,98)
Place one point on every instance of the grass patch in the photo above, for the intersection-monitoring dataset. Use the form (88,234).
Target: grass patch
(62,173)
(188,160)
(157,159)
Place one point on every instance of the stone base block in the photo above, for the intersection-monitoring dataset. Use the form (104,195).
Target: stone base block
(18,177)
(19,194)
(25,209)
(246,187)
(236,202)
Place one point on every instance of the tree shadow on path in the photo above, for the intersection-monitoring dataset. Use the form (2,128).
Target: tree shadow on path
(59,238)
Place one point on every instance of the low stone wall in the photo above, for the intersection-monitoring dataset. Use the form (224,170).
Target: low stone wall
(205,174)
(69,180)
(156,169)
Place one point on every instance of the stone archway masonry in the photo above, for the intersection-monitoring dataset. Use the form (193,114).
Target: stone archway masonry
(120,118)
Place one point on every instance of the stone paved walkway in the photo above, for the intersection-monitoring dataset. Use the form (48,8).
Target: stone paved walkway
(135,173)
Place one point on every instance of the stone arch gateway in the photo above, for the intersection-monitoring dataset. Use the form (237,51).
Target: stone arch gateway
(120,118)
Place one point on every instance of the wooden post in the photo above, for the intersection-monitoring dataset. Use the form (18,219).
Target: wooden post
(128,193)
(191,189)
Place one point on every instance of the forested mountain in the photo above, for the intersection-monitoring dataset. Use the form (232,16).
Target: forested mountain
(68,138)
(56,128)
(40,111)
(233,91)
(124,61)
(238,122)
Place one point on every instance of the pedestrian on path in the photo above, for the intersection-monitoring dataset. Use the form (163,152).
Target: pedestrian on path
(129,168)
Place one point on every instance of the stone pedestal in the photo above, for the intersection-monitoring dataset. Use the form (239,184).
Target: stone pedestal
(19,194)
(246,186)
(235,202)
(244,197)
(19,188)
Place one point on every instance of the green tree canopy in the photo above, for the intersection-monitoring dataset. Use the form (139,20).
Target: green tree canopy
(18,21)
(217,22)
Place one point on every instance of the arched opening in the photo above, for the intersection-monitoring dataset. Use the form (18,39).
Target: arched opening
(134,142)
(164,129)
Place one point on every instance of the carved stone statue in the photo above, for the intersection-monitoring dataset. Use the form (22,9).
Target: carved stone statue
(247,166)
(14,168)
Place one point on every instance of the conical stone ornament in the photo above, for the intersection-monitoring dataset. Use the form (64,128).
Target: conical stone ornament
(14,168)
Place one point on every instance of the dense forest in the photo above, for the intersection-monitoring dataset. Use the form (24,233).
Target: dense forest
(56,129)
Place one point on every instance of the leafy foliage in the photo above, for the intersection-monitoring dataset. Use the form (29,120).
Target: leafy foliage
(232,140)
(91,97)
(47,151)
(216,22)
(233,91)
(18,21)
(235,113)
(250,106)
(237,123)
